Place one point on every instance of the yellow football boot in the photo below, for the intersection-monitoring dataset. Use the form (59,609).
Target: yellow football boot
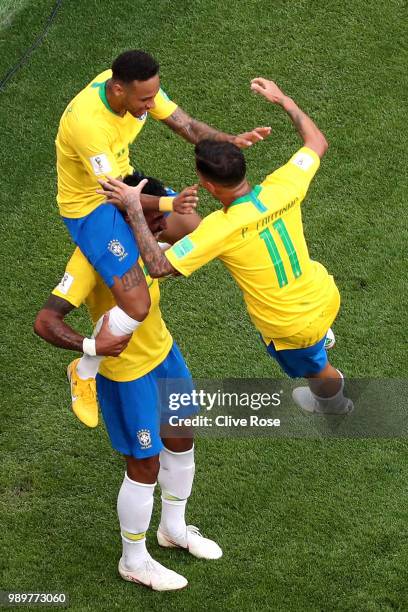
(83,395)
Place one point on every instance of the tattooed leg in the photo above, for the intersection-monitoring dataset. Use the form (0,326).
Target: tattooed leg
(132,293)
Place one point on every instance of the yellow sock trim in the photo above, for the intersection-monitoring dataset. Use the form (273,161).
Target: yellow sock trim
(135,537)
(169,497)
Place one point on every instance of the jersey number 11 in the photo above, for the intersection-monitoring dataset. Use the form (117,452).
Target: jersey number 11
(273,251)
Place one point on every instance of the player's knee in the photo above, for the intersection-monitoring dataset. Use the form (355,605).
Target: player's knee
(143,470)
(179,445)
(137,309)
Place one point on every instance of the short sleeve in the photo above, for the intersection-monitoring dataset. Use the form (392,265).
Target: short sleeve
(78,281)
(297,174)
(201,246)
(164,106)
(92,145)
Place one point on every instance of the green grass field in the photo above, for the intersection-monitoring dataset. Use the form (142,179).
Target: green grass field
(305,524)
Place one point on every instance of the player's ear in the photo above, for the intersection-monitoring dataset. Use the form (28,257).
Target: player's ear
(207,185)
(117,88)
(210,187)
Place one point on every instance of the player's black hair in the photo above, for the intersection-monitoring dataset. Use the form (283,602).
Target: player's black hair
(153,187)
(134,65)
(221,162)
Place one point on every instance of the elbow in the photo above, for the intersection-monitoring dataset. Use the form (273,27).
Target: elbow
(321,145)
(38,326)
(156,274)
(318,144)
(325,145)
(163,272)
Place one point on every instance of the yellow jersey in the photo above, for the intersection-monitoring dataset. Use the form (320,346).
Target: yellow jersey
(291,299)
(93,141)
(150,343)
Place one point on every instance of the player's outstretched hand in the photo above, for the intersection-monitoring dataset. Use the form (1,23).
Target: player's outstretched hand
(107,344)
(185,202)
(267,89)
(247,139)
(120,194)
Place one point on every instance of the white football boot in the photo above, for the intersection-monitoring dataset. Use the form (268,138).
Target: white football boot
(338,404)
(193,542)
(152,574)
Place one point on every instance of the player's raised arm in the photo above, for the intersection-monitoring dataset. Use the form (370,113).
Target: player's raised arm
(309,132)
(193,130)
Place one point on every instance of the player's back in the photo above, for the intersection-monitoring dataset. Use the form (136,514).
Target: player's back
(267,254)
(259,237)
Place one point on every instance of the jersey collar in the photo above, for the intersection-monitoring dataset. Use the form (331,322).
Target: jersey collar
(102,94)
(251,197)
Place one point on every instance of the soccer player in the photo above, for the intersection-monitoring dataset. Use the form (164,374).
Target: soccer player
(129,397)
(93,140)
(258,235)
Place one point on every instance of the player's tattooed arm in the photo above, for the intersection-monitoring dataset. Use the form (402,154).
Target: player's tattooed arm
(308,131)
(193,131)
(297,116)
(155,261)
(50,325)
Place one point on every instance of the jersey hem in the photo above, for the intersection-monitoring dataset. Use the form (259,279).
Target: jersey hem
(79,215)
(143,372)
(286,341)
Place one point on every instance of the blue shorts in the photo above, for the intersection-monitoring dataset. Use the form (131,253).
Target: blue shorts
(106,240)
(299,363)
(133,411)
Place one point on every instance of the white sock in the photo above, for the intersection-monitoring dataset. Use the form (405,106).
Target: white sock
(336,403)
(120,324)
(135,505)
(176,477)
